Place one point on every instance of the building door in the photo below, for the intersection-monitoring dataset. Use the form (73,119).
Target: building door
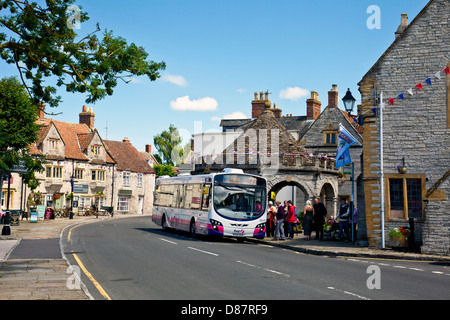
(141,205)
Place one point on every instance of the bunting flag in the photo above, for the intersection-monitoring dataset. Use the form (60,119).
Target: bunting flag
(418,86)
(374,110)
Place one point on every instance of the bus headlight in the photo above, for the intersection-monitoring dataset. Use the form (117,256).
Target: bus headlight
(261,226)
(215,224)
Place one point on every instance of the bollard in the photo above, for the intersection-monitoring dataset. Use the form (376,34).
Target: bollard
(6,231)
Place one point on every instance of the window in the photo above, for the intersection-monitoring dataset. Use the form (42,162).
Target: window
(123,204)
(79,174)
(404,196)
(98,175)
(84,202)
(126,179)
(330,137)
(54,172)
(97,150)
(139,180)
(53,145)
(5,198)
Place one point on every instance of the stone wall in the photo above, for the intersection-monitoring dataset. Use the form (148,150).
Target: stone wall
(415,129)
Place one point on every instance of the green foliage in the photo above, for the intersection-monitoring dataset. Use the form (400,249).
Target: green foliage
(164,170)
(169,146)
(17,129)
(38,40)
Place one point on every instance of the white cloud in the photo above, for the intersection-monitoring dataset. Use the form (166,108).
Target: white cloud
(186,104)
(294,93)
(178,80)
(231,116)
(240,90)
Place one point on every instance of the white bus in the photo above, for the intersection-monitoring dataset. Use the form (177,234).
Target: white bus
(230,204)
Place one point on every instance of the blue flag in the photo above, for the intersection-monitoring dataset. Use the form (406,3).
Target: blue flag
(345,141)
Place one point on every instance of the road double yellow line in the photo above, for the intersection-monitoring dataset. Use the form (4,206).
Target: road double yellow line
(86,272)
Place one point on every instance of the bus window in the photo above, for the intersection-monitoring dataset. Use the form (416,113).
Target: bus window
(206,197)
(196,196)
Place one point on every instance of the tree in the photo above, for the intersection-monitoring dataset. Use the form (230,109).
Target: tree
(40,41)
(170,148)
(18,130)
(164,170)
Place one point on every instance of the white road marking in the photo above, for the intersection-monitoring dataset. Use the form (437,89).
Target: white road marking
(167,241)
(265,269)
(207,252)
(349,293)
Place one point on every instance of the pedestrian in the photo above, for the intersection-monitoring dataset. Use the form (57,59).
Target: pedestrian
(285,225)
(271,220)
(290,219)
(279,229)
(320,213)
(343,215)
(308,216)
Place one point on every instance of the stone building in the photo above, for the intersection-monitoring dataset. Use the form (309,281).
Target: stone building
(76,152)
(411,75)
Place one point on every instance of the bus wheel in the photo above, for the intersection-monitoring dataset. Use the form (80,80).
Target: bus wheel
(164,223)
(192,230)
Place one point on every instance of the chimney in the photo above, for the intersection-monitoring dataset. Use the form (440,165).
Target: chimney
(313,106)
(259,105)
(42,111)
(276,112)
(403,25)
(87,117)
(148,148)
(333,97)
(126,140)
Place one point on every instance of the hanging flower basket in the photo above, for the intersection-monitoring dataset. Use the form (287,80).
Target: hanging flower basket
(401,170)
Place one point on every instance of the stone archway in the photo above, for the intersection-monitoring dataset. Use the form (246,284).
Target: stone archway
(328,197)
(302,192)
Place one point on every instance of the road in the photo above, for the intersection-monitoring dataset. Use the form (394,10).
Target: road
(133,259)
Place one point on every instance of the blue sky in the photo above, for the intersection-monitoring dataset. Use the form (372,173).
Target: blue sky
(219,52)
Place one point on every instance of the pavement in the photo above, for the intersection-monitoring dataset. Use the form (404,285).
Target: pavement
(34,267)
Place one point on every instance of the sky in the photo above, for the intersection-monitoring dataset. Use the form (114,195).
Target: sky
(218,53)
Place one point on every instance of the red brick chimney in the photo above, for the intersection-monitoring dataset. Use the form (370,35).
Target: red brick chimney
(126,140)
(313,106)
(259,104)
(333,97)
(87,117)
(42,111)
(148,148)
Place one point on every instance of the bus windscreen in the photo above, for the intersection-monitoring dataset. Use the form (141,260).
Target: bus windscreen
(239,197)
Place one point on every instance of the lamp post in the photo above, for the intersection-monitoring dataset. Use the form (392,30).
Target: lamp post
(349,104)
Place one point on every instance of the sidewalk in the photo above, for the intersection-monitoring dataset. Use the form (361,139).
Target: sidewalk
(347,249)
(38,279)
(47,279)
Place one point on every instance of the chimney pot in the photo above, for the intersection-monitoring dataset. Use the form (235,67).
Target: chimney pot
(403,25)
(126,140)
(148,148)
(313,106)
(42,111)
(87,117)
(333,97)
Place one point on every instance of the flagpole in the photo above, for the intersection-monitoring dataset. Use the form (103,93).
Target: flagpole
(381,104)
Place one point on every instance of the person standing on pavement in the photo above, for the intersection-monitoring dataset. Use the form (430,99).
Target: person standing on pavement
(320,213)
(279,229)
(343,215)
(271,218)
(290,219)
(308,216)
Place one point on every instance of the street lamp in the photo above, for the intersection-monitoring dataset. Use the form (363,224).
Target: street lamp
(349,102)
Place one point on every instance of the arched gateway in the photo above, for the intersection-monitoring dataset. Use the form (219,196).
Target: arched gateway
(266,148)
